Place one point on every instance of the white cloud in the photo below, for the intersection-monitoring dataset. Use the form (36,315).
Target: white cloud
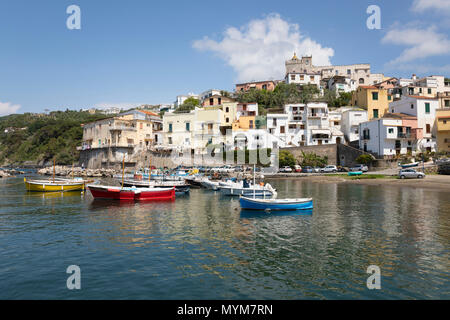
(442,6)
(258,50)
(8,108)
(422,43)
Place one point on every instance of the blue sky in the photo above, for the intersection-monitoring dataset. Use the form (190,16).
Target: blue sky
(134,52)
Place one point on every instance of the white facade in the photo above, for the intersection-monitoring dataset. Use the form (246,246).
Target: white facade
(256,139)
(246,109)
(425,110)
(303,78)
(381,137)
(182,98)
(341,84)
(350,123)
(207,94)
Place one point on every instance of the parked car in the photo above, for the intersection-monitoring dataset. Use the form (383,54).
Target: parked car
(307,169)
(410,174)
(329,169)
(360,167)
(285,169)
(342,169)
(297,168)
(316,169)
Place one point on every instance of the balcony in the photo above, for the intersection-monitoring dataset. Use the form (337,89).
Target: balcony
(122,128)
(317,115)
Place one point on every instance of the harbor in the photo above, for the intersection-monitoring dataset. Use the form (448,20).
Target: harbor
(203,245)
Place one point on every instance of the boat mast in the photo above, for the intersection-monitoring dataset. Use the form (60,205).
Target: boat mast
(123,169)
(53,170)
(150,171)
(254,181)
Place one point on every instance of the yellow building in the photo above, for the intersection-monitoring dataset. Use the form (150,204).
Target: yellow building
(443,129)
(373,99)
(244,123)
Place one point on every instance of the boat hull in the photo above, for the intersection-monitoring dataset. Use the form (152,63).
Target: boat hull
(227,191)
(53,187)
(410,165)
(355,173)
(275,205)
(180,187)
(132,194)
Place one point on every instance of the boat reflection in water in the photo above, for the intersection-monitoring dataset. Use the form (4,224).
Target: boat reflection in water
(252,214)
(54,195)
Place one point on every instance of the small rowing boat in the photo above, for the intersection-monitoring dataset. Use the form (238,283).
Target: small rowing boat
(355,173)
(131,194)
(409,165)
(275,204)
(54,185)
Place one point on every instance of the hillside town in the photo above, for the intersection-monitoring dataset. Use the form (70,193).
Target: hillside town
(384,116)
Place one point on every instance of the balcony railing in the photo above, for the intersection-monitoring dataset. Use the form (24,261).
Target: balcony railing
(408,135)
(122,128)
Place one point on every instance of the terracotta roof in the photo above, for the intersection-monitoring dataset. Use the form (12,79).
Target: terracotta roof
(422,97)
(368,87)
(149,113)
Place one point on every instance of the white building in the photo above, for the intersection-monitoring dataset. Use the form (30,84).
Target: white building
(256,139)
(351,118)
(392,135)
(303,78)
(424,108)
(246,109)
(210,93)
(340,84)
(182,98)
(304,125)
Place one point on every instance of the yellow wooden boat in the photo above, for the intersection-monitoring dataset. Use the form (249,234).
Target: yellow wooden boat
(55,185)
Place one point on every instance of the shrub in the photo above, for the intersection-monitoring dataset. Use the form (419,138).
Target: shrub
(313,160)
(286,159)
(364,159)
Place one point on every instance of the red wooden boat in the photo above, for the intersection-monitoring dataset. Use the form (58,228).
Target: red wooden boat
(131,194)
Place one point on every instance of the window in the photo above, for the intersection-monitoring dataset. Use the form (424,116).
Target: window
(374,95)
(349,71)
(302,77)
(211,101)
(391,130)
(264,86)
(361,80)
(282,129)
(311,78)
(170,127)
(227,120)
(447,103)
(141,125)
(375,113)
(210,126)
(392,110)
(188,126)
(427,107)
(429,90)
(220,100)
(274,121)
(444,121)
(227,109)
(337,72)
(292,76)
(412,106)
(170,140)
(428,128)
(420,90)
(389,97)
(251,124)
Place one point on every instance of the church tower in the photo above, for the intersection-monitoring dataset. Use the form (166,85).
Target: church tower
(296,65)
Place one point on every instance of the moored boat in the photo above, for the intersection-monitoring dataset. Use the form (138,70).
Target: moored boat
(409,165)
(180,186)
(54,185)
(355,173)
(248,203)
(131,194)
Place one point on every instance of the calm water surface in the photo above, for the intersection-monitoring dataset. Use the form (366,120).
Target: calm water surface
(203,247)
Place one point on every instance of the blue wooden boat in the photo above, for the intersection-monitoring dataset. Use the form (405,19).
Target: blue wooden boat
(275,204)
(355,173)
(410,165)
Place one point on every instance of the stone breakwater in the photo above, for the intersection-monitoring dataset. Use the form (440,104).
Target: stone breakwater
(9,173)
(78,172)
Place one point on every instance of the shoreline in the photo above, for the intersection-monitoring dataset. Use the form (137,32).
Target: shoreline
(431,182)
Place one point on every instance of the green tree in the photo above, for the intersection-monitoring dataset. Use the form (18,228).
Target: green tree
(313,160)
(366,159)
(188,105)
(286,158)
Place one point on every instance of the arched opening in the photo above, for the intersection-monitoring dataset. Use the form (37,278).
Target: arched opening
(338,140)
(361,80)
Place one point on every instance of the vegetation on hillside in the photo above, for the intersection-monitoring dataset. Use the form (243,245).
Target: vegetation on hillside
(313,160)
(292,93)
(286,159)
(188,105)
(43,137)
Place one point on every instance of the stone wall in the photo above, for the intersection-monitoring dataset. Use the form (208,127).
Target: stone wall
(329,150)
